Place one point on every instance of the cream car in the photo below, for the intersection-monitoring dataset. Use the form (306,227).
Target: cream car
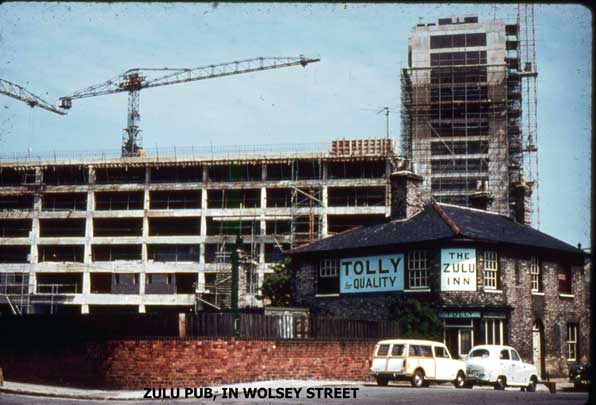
(418,361)
(499,366)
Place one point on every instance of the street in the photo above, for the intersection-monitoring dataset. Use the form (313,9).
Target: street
(366,394)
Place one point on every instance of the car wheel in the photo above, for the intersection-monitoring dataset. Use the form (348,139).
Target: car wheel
(460,380)
(382,381)
(468,385)
(418,379)
(501,383)
(532,385)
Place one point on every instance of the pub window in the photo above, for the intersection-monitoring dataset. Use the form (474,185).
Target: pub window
(493,331)
(328,268)
(536,277)
(564,277)
(328,276)
(491,270)
(571,341)
(418,269)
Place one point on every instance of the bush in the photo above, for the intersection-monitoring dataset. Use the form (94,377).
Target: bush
(416,319)
(276,285)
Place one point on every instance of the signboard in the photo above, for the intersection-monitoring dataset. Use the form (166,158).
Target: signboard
(371,274)
(458,314)
(458,269)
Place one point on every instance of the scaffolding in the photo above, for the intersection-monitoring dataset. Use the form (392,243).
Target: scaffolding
(462,123)
(529,74)
(22,296)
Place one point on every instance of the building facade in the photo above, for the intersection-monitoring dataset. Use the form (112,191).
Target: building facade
(462,111)
(148,233)
(489,279)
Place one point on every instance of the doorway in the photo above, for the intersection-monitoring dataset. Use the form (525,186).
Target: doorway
(538,346)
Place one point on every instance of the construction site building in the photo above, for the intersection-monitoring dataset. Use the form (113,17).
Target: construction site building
(155,233)
(462,113)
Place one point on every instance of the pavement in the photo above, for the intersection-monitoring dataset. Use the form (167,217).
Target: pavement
(111,395)
(105,395)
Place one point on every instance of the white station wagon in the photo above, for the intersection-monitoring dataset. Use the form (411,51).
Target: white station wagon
(499,366)
(417,361)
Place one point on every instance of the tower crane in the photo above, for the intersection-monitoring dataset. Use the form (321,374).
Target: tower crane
(20,93)
(134,80)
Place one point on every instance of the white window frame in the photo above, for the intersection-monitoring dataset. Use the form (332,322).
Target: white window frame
(418,267)
(329,268)
(535,274)
(572,341)
(491,270)
(497,335)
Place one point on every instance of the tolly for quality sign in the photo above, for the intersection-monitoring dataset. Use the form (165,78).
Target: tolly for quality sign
(458,269)
(371,274)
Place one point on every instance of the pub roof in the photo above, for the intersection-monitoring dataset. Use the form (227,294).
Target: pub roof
(440,222)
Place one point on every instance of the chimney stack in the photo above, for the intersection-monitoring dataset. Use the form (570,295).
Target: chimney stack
(406,194)
(481,199)
(521,195)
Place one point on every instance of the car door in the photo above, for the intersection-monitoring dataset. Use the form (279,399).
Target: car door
(443,363)
(519,370)
(427,360)
(395,362)
(506,366)
(379,362)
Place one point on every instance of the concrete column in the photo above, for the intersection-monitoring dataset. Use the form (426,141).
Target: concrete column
(88,252)
(144,254)
(388,170)
(263,223)
(142,281)
(202,248)
(324,205)
(34,239)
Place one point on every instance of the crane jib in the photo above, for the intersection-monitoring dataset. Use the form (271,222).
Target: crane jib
(134,80)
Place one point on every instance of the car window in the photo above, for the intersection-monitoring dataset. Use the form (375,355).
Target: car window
(413,351)
(504,355)
(383,350)
(397,350)
(514,355)
(441,352)
(425,351)
(480,353)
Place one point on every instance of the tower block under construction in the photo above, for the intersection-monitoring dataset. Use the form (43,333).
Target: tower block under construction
(462,113)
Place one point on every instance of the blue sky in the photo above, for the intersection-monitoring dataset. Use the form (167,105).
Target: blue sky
(55,49)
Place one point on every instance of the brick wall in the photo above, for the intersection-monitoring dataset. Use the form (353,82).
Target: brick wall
(135,364)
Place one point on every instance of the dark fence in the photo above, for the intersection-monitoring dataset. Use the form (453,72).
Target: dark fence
(51,329)
(258,326)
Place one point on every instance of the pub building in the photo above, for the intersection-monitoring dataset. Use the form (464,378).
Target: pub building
(491,279)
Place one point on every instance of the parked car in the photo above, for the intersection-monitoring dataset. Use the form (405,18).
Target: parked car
(499,366)
(579,375)
(418,361)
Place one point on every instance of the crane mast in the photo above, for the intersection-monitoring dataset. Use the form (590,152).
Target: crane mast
(134,80)
(20,93)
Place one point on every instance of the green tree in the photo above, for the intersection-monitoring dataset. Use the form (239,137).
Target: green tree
(276,285)
(416,319)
